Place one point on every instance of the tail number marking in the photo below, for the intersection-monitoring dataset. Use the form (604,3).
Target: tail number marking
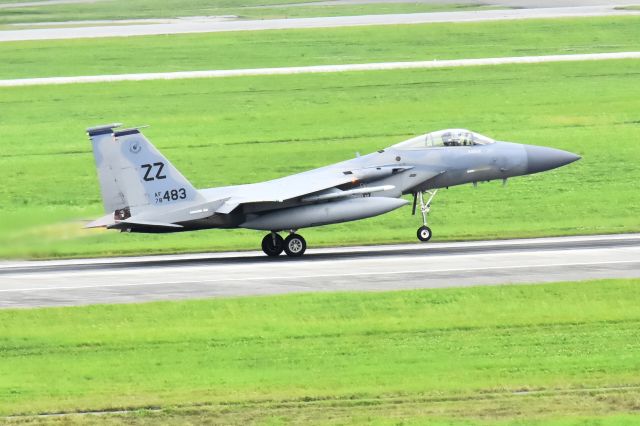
(158,171)
(170,195)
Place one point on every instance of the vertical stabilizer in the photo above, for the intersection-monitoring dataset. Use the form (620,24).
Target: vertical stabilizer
(105,154)
(134,175)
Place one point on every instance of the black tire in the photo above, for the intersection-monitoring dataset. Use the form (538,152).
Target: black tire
(295,245)
(272,247)
(424,233)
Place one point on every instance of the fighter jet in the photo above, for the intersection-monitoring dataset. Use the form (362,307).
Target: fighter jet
(143,192)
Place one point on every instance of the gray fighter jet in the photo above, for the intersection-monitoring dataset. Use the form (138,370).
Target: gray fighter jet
(143,192)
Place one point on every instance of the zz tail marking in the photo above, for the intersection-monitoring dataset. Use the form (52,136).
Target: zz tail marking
(149,167)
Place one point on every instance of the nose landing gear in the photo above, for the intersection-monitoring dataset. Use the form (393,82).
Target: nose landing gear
(273,244)
(424,232)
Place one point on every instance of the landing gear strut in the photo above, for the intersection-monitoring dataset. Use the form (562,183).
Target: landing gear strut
(424,232)
(273,244)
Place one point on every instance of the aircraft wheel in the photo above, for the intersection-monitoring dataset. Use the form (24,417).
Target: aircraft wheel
(294,245)
(424,233)
(272,245)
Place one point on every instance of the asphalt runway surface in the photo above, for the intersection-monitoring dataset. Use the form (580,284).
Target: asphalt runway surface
(204,25)
(368,268)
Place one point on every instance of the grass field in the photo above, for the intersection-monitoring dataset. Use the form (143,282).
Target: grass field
(228,131)
(243,9)
(460,356)
(317,46)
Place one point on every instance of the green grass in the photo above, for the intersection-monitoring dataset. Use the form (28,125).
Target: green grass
(235,130)
(454,355)
(244,9)
(317,46)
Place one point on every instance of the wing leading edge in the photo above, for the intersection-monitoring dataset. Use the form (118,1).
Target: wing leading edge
(304,185)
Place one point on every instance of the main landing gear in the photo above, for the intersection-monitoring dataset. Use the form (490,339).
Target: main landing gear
(273,244)
(424,232)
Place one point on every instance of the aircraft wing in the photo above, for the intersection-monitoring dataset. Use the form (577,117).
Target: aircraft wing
(300,185)
(297,185)
(277,190)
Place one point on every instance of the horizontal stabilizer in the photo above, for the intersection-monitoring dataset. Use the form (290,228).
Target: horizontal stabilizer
(129,223)
(105,220)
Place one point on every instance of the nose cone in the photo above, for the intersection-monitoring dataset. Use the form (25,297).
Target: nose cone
(541,158)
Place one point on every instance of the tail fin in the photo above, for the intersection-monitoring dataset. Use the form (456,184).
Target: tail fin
(105,155)
(133,174)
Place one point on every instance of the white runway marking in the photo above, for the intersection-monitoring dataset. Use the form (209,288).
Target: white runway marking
(378,66)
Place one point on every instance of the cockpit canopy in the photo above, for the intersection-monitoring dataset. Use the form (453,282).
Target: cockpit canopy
(448,137)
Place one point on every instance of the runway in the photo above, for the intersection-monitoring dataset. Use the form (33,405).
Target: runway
(367,268)
(379,66)
(205,25)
